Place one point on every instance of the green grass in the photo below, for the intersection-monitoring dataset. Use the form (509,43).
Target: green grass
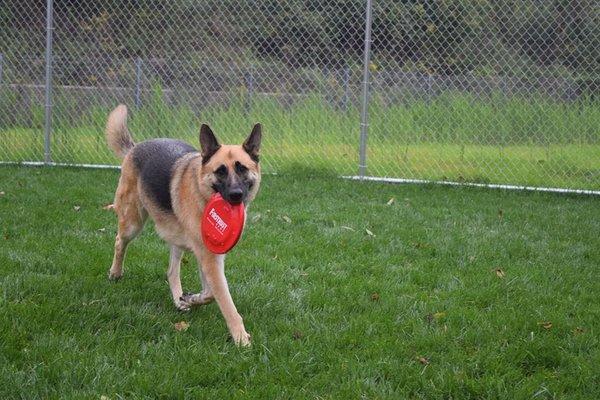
(334,312)
(528,141)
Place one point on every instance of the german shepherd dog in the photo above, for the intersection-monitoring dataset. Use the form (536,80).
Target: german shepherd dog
(171,181)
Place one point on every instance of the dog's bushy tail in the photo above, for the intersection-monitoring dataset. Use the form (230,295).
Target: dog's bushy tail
(117,135)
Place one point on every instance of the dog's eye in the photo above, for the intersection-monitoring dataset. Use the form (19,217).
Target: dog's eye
(221,171)
(240,168)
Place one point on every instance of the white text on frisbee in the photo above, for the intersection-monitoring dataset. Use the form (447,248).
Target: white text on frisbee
(220,224)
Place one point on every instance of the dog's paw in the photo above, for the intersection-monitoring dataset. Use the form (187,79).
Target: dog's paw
(198,298)
(114,276)
(242,339)
(182,304)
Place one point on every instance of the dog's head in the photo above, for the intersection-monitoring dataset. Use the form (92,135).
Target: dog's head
(231,170)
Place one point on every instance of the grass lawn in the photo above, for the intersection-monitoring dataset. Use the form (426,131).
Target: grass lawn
(458,293)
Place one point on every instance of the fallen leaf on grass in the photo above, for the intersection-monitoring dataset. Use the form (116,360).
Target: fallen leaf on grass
(92,302)
(423,360)
(109,206)
(500,213)
(545,324)
(391,201)
(297,335)
(369,233)
(578,331)
(348,228)
(76,208)
(375,296)
(181,326)
(435,316)
(287,219)
(499,273)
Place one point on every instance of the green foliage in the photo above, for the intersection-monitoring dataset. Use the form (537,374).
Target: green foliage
(445,37)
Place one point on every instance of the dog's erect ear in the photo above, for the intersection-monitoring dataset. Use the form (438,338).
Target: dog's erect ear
(252,143)
(208,143)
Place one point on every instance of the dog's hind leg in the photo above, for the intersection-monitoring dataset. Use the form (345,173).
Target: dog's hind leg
(128,230)
(205,296)
(132,217)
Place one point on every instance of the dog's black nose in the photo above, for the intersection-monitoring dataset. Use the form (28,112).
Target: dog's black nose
(235,195)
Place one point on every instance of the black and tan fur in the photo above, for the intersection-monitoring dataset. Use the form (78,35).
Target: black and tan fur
(170,181)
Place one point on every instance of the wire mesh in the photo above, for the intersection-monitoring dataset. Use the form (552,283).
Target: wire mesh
(486,91)
(459,90)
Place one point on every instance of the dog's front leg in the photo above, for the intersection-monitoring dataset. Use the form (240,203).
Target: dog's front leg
(213,268)
(174,278)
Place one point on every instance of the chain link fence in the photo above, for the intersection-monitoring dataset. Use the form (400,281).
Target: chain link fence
(455,90)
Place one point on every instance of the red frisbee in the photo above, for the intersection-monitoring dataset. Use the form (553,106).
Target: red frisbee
(222,224)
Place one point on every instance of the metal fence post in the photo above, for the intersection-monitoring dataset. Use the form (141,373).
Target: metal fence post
(429,87)
(346,83)
(364,122)
(1,65)
(138,82)
(249,90)
(48,101)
